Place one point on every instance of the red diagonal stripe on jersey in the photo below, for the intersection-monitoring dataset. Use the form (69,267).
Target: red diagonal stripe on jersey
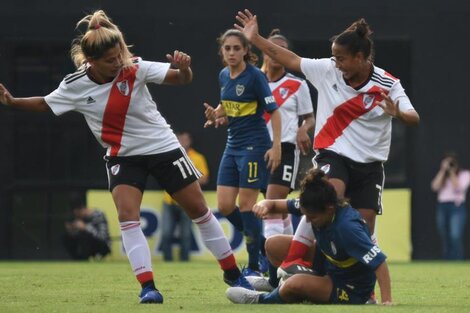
(115,112)
(343,115)
(291,86)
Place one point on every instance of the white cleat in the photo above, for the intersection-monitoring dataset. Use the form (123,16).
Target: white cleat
(260,283)
(242,295)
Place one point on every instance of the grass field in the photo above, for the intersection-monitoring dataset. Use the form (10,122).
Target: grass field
(198,287)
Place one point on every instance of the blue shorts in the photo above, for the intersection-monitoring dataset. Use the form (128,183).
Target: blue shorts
(244,171)
(347,293)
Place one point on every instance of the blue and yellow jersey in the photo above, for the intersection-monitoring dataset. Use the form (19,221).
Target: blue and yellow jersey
(245,99)
(345,243)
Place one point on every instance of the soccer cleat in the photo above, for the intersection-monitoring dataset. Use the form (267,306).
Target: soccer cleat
(260,283)
(150,295)
(242,296)
(288,269)
(240,282)
(250,272)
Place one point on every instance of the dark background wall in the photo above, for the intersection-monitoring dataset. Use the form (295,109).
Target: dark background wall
(44,159)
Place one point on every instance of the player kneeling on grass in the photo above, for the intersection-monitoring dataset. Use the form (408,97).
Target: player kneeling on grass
(346,261)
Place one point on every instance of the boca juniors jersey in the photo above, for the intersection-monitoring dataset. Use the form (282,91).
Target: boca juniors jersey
(245,99)
(350,254)
(349,121)
(121,114)
(293,98)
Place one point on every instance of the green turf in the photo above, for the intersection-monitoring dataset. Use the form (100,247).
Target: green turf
(198,287)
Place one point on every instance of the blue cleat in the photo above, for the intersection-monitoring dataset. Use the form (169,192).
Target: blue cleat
(240,282)
(250,272)
(150,295)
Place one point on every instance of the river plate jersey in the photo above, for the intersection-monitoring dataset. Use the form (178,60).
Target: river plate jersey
(293,98)
(245,99)
(351,256)
(349,121)
(121,114)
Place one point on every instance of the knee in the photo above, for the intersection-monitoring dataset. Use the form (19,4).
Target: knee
(293,286)
(272,250)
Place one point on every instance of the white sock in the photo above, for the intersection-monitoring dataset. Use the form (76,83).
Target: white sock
(288,228)
(273,227)
(136,246)
(304,233)
(213,236)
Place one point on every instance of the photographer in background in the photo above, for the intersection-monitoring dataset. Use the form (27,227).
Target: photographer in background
(451,184)
(87,233)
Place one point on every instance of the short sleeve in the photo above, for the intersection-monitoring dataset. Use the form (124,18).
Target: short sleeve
(61,100)
(264,93)
(304,101)
(358,244)
(315,69)
(155,72)
(397,93)
(293,206)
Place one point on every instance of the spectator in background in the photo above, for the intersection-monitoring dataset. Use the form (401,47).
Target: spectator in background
(451,184)
(173,214)
(87,233)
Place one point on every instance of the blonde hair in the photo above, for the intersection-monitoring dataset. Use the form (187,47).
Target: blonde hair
(101,35)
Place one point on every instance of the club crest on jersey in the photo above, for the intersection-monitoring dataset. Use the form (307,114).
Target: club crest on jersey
(239,89)
(115,169)
(333,247)
(123,87)
(325,168)
(283,92)
(368,100)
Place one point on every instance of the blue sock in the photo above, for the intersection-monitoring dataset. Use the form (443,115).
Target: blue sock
(252,231)
(236,219)
(273,280)
(271,298)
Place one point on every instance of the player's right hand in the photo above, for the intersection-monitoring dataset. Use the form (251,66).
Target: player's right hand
(249,24)
(262,208)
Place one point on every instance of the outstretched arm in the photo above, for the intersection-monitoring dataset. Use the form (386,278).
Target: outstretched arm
(37,104)
(383,278)
(249,27)
(263,208)
(182,75)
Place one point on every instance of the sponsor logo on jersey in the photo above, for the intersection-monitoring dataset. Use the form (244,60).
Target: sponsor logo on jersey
(368,100)
(284,92)
(335,87)
(123,87)
(115,169)
(269,99)
(333,248)
(325,168)
(90,100)
(239,89)
(371,254)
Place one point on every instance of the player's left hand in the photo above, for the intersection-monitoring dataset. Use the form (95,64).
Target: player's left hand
(389,106)
(273,157)
(303,141)
(179,60)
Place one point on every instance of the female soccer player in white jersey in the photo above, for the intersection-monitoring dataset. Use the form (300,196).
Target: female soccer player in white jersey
(110,90)
(293,98)
(244,97)
(356,103)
